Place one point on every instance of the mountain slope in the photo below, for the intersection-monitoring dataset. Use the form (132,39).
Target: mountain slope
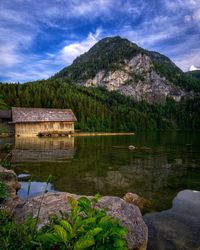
(194,73)
(120,65)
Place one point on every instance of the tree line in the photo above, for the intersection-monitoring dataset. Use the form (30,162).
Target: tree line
(99,110)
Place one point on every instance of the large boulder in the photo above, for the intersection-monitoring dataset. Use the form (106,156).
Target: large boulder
(128,214)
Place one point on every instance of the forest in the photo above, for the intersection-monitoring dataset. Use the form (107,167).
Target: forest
(99,110)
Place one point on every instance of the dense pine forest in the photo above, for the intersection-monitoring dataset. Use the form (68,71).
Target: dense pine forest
(99,110)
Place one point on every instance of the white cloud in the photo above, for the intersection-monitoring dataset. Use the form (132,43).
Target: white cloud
(32,67)
(192,67)
(190,7)
(90,9)
(196,15)
(24,22)
(72,50)
(185,60)
(10,44)
(175,5)
(153,32)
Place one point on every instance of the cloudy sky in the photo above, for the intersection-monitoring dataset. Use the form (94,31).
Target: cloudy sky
(40,37)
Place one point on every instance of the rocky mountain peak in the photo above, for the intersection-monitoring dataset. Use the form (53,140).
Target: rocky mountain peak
(120,65)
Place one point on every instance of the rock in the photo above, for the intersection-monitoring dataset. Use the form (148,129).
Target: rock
(178,227)
(131,147)
(128,214)
(136,200)
(139,80)
(10,179)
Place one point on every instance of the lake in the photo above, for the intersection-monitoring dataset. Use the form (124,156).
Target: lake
(162,167)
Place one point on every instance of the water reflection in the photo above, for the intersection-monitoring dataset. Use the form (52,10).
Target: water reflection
(161,166)
(36,188)
(105,165)
(35,149)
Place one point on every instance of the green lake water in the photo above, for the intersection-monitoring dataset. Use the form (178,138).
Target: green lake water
(162,165)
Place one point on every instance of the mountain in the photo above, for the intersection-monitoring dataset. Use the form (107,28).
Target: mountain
(142,80)
(194,73)
(120,65)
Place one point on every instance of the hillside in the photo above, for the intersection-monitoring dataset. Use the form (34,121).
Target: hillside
(194,73)
(120,65)
(100,110)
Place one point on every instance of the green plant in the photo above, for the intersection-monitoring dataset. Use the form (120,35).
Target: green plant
(84,227)
(3,191)
(13,236)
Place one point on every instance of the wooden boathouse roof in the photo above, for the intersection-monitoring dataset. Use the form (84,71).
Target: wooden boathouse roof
(5,114)
(25,115)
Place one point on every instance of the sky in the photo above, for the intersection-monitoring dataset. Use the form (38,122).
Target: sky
(40,37)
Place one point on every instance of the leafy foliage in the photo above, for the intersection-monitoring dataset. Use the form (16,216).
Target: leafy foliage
(84,227)
(15,236)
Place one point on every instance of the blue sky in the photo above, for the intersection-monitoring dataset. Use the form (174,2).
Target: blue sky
(40,37)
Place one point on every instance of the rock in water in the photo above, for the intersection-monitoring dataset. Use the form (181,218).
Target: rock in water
(178,227)
(128,214)
(135,199)
(131,147)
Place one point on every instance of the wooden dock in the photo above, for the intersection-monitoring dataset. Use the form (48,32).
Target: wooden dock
(101,134)
(68,134)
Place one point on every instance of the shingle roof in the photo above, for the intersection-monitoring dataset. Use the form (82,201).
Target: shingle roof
(5,114)
(22,115)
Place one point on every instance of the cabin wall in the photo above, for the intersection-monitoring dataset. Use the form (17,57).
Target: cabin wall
(31,129)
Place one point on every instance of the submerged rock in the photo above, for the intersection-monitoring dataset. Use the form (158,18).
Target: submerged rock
(128,214)
(131,147)
(178,227)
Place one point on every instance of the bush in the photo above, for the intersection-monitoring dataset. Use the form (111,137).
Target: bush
(84,227)
(13,236)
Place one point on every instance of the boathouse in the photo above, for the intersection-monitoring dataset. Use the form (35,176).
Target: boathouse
(35,121)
